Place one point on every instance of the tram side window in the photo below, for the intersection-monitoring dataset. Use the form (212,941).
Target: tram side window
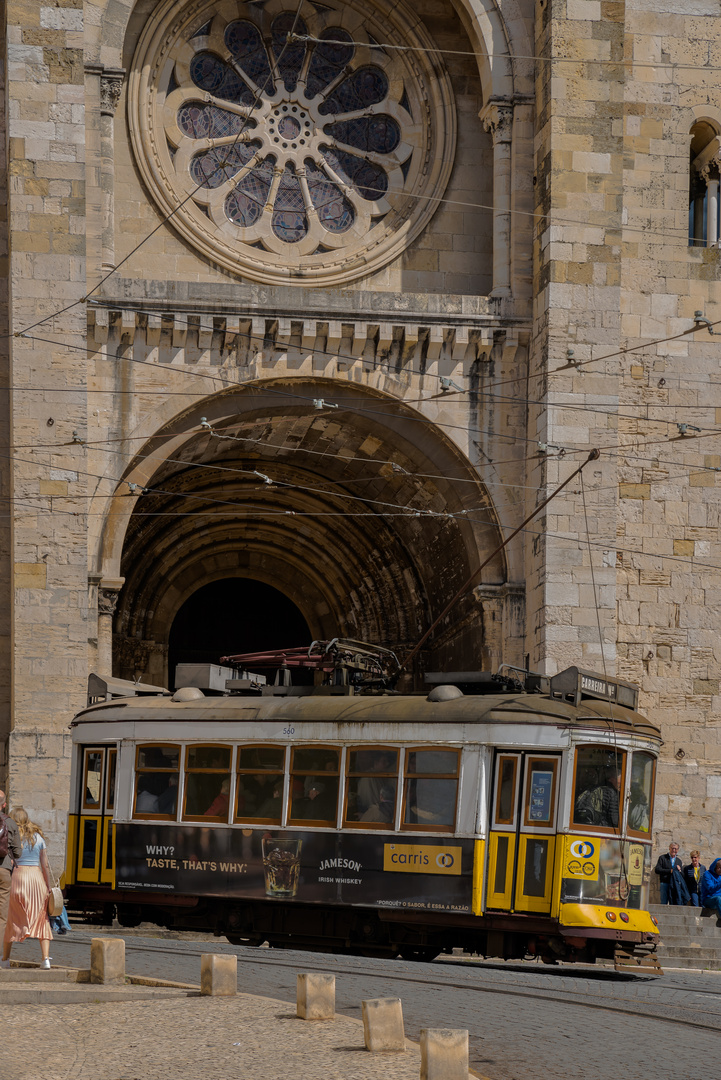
(639,809)
(314,785)
(371,787)
(598,786)
(156,781)
(259,790)
(207,782)
(93,779)
(431,790)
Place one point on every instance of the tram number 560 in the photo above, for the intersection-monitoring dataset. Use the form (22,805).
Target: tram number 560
(289,731)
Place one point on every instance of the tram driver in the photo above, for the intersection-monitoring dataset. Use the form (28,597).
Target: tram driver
(598,805)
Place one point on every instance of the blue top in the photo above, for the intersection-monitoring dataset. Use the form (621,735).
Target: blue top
(31,855)
(710,885)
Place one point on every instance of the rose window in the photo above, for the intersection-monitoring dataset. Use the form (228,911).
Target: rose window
(311,158)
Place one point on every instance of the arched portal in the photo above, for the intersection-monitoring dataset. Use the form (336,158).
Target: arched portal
(353,505)
(233,615)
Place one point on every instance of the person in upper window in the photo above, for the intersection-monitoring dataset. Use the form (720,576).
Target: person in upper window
(599,805)
(146,801)
(692,876)
(638,815)
(221,802)
(383,810)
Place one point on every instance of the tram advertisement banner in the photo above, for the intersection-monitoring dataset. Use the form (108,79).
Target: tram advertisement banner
(373,870)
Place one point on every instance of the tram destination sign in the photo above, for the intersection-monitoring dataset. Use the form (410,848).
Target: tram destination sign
(575,684)
(370,870)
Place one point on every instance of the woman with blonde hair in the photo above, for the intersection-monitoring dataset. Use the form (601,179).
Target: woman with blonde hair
(29,889)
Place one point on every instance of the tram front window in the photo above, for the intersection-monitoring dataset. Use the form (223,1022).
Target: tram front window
(314,785)
(641,795)
(156,781)
(431,789)
(598,786)
(207,782)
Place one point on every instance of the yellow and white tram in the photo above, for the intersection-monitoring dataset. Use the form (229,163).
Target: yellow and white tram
(510,824)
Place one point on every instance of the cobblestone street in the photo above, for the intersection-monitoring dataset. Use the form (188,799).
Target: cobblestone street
(524,1021)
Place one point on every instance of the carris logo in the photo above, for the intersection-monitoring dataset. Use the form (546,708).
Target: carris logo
(444,859)
(582,849)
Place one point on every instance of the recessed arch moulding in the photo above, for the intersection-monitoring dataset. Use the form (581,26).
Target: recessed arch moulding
(373,519)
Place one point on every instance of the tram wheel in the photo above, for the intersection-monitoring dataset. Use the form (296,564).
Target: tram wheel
(251,942)
(422,954)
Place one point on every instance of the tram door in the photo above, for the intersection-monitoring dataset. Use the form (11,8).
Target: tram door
(97,801)
(522,834)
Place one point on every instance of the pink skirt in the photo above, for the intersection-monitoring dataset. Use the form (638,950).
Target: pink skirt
(28,907)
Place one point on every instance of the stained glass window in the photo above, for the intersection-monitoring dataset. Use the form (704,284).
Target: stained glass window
(365,87)
(245,204)
(289,57)
(323,64)
(328,60)
(214,167)
(199,121)
(245,43)
(289,221)
(210,73)
(334,211)
(378,134)
(368,179)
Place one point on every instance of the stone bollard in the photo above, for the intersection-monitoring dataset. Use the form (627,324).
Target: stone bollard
(315,996)
(383,1024)
(444,1054)
(218,974)
(107,960)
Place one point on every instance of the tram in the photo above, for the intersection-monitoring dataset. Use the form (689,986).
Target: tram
(347,817)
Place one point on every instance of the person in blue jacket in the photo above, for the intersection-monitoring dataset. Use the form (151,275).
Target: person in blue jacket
(710,887)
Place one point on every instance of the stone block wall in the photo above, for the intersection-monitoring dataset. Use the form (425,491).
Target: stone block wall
(615,273)
(45,102)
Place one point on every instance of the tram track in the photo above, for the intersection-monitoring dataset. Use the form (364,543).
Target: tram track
(664,1012)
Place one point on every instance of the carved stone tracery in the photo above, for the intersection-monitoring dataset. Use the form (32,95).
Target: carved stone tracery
(320,159)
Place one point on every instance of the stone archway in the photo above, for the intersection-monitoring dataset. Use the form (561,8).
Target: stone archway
(371,520)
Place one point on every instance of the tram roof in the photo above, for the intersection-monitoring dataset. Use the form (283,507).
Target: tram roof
(513,708)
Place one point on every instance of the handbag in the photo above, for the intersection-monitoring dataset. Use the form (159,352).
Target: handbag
(56,901)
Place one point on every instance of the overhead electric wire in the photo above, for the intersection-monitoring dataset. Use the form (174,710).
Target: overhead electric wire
(434,49)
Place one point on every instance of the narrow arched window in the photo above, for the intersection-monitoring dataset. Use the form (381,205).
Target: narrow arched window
(704,185)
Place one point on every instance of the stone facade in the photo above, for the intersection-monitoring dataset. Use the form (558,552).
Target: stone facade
(411,387)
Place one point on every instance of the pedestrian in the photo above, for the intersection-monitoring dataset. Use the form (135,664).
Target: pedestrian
(692,876)
(29,891)
(710,888)
(670,871)
(9,851)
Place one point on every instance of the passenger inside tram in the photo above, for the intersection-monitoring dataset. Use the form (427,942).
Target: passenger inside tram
(219,805)
(384,809)
(599,805)
(146,801)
